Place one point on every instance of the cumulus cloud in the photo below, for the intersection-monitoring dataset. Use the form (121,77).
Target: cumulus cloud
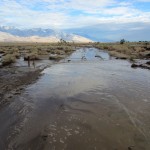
(69,13)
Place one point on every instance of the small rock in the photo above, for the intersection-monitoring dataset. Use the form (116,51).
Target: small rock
(134,65)
(148,63)
(9,96)
(130,147)
(44,137)
(17,93)
(147,55)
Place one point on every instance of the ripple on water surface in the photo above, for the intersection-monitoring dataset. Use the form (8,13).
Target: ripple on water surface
(87,103)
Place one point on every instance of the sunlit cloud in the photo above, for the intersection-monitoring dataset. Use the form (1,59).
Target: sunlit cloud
(69,13)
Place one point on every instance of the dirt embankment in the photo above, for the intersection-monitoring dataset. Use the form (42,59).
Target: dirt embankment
(14,79)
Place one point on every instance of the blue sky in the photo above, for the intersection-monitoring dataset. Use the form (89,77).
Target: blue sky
(72,13)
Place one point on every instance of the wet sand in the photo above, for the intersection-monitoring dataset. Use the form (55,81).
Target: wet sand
(88,102)
(14,78)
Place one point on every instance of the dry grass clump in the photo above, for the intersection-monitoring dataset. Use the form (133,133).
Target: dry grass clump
(118,55)
(31,56)
(129,50)
(103,46)
(16,55)
(12,50)
(62,48)
(59,52)
(68,50)
(36,51)
(2,50)
(119,48)
(138,49)
(56,57)
(42,52)
(8,59)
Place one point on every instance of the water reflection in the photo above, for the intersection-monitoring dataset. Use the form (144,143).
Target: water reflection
(31,63)
(88,54)
(1,56)
(97,103)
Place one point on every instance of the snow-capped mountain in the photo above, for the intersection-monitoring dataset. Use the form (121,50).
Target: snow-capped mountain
(38,35)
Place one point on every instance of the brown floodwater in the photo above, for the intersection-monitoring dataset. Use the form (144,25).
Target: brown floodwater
(82,103)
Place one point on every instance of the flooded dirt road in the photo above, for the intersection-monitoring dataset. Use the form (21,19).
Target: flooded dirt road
(83,103)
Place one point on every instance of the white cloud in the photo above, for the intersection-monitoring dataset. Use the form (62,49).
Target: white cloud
(18,15)
(136,28)
(143,0)
(58,13)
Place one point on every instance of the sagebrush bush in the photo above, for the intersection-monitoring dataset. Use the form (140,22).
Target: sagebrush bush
(8,59)
(31,56)
(56,57)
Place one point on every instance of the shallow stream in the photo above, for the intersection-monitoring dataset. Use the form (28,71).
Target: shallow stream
(82,103)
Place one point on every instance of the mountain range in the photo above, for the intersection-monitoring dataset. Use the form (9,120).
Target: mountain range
(104,32)
(12,34)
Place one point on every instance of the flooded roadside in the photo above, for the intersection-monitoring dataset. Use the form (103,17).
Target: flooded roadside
(85,102)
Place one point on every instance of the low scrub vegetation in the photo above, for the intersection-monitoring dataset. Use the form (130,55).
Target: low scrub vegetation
(16,55)
(31,56)
(8,59)
(126,50)
(56,57)
(35,51)
(118,55)
(56,51)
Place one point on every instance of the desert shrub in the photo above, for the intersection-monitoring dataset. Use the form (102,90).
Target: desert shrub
(121,48)
(33,50)
(59,52)
(118,55)
(15,49)
(68,49)
(16,55)
(2,50)
(48,50)
(105,47)
(12,50)
(131,58)
(8,59)
(31,56)
(42,52)
(122,41)
(137,48)
(55,57)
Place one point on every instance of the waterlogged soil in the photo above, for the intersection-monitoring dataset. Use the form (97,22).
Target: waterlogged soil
(15,77)
(84,102)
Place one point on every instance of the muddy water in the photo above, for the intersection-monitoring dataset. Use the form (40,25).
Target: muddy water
(32,64)
(83,103)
